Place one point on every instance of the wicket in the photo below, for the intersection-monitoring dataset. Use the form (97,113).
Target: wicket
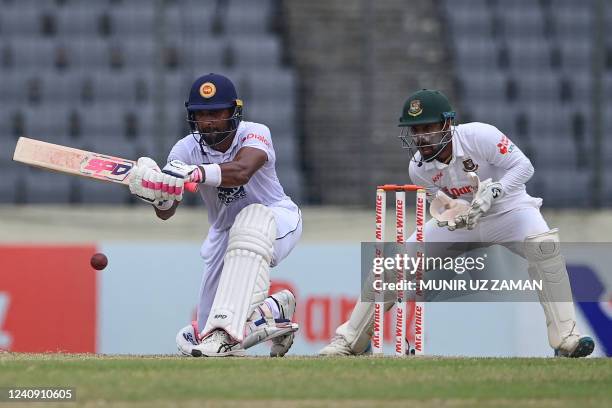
(400,304)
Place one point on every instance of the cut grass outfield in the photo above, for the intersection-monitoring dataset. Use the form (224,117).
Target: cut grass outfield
(308,381)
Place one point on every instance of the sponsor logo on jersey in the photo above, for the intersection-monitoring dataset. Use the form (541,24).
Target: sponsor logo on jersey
(455,192)
(415,108)
(469,165)
(208,90)
(437,177)
(505,145)
(228,195)
(257,137)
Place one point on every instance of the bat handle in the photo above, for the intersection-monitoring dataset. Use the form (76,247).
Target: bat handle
(192,187)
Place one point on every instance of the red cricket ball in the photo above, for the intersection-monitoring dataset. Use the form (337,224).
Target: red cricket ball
(98,261)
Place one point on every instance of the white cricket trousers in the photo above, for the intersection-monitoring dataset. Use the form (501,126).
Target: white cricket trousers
(288,230)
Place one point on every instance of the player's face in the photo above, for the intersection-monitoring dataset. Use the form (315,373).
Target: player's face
(428,138)
(213,124)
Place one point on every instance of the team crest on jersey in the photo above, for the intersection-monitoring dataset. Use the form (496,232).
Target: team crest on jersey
(415,108)
(469,165)
(208,90)
(228,195)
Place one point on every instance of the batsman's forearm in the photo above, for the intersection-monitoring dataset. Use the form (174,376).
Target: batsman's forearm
(234,174)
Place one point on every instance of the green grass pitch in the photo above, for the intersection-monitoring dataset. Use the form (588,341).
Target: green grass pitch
(149,381)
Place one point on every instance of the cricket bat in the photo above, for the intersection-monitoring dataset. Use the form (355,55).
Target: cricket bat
(77,162)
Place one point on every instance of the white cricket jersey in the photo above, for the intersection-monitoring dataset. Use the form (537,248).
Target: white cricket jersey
(483,149)
(224,203)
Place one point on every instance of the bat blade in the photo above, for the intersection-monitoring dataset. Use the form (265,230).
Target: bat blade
(77,162)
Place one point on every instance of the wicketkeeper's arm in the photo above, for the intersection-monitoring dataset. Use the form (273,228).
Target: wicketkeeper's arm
(501,152)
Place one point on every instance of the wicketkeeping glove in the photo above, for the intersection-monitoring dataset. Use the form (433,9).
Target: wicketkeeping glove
(448,212)
(488,191)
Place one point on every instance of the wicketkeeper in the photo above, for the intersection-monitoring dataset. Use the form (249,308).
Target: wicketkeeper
(254,224)
(475,179)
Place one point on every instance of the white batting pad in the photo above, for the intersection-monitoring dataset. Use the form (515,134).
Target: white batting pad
(245,278)
(548,265)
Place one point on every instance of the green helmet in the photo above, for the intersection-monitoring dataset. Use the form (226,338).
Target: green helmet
(426,106)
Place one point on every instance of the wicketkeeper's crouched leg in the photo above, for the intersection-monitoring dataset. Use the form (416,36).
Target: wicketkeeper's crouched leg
(546,264)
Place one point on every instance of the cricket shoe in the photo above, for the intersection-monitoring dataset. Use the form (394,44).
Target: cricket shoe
(187,338)
(217,344)
(583,347)
(337,347)
(285,299)
(340,347)
(262,326)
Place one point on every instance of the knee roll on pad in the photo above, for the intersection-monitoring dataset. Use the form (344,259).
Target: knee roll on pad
(548,265)
(245,278)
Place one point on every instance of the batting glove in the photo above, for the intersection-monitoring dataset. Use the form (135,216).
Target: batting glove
(145,183)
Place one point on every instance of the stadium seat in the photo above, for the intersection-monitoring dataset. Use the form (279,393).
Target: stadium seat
(572,22)
(78,21)
(33,54)
(255,52)
(130,87)
(20,22)
(271,85)
(132,21)
(563,187)
(8,140)
(81,85)
(576,54)
(44,187)
(540,86)
(478,87)
(469,21)
(244,16)
(87,53)
(522,23)
(530,55)
(475,54)
(12,174)
(88,191)
(48,122)
(206,55)
(138,53)
(192,19)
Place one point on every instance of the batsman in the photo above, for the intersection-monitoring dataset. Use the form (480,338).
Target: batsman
(475,180)
(254,225)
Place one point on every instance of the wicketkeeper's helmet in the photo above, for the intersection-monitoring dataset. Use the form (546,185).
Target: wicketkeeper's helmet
(425,107)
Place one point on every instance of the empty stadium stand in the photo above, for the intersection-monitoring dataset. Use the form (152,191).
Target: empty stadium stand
(112,76)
